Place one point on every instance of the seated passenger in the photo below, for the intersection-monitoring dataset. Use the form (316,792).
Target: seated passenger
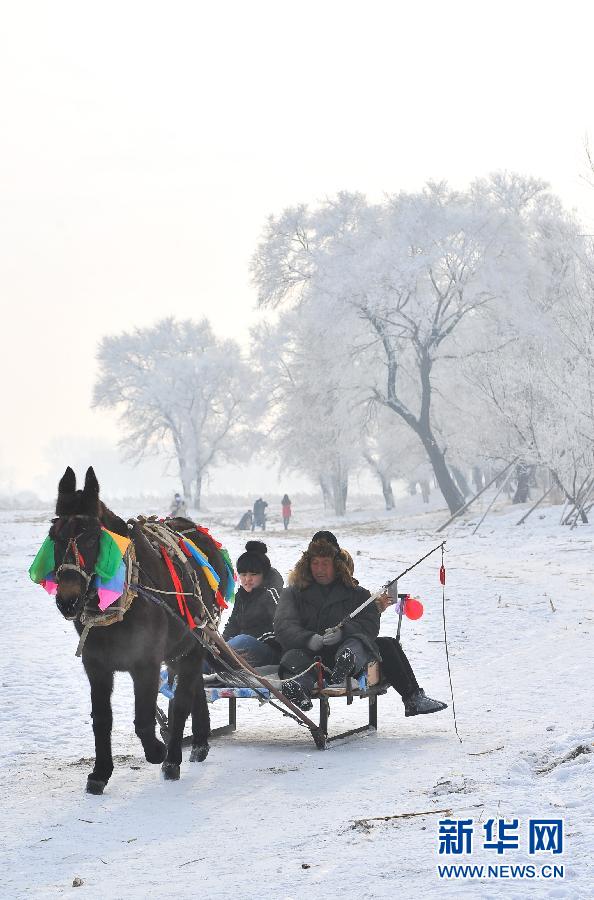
(321,593)
(249,629)
(396,668)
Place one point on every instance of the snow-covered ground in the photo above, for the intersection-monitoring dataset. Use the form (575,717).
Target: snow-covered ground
(267,815)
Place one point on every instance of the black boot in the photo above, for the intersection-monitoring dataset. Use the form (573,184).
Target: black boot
(418,704)
(297,694)
(344,665)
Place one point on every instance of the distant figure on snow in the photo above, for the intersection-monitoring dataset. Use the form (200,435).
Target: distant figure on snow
(245,523)
(286,510)
(178,507)
(259,519)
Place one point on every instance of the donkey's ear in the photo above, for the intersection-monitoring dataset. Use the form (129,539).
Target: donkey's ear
(89,501)
(67,501)
(67,483)
(91,488)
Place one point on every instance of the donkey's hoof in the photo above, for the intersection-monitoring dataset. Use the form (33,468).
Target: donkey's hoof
(199,752)
(156,753)
(170,771)
(95,785)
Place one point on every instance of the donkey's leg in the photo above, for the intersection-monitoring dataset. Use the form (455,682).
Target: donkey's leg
(101,682)
(146,685)
(200,722)
(187,677)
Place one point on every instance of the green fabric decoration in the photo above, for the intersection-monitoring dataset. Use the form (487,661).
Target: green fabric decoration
(44,562)
(230,592)
(109,558)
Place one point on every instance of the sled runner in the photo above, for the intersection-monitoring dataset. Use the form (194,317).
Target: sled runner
(368,686)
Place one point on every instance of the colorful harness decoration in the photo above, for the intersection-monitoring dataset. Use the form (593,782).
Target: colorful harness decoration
(109,579)
(232,579)
(190,549)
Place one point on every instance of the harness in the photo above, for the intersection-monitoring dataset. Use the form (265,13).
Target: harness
(91,616)
(76,565)
(109,591)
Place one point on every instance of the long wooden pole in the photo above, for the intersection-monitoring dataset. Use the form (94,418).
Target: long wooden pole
(532,508)
(486,512)
(476,496)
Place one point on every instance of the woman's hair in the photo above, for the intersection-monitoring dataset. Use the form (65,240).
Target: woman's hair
(254,559)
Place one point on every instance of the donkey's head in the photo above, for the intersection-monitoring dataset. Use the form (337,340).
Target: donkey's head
(76,533)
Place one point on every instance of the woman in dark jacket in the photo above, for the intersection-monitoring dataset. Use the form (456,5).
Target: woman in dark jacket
(249,629)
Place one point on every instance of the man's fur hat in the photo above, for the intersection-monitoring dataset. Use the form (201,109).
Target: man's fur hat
(323,543)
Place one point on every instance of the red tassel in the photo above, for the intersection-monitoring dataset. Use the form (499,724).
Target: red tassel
(205,531)
(442,574)
(181,600)
(221,600)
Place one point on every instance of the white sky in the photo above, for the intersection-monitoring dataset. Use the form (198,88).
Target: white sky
(143,145)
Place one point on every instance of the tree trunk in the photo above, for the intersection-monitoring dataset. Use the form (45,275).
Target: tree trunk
(197,491)
(477,477)
(523,475)
(461,481)
(385,481)
(421,425)
(387,491)
(339,493)
(446,483)
(326,492)
(186,481)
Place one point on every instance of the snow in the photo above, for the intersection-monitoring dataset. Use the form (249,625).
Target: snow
(267,815)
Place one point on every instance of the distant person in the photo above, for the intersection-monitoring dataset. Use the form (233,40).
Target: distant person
(245,523)
(259,519)
(178,507)
(286,510)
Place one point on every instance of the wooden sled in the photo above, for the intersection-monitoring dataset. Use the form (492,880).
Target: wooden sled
(368,686)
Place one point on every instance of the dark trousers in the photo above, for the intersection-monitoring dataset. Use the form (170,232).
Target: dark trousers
(295,661)
(395,666)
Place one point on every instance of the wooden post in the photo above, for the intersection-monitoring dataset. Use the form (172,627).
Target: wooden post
(482,491)
(484,516)
(532,508)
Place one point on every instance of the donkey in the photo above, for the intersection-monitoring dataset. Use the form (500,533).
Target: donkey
(147,635)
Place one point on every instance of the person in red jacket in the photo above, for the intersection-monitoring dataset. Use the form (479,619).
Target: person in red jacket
(286,510)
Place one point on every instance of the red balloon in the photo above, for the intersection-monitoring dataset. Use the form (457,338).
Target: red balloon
(413,608)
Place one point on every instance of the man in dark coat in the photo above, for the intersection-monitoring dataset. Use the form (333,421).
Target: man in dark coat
(321,593)
(396,668)
(259,517)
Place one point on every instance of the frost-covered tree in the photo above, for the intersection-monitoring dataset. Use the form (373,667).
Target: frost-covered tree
(391,451)
(539,390)
(315,409)
(421,272)
(182,392)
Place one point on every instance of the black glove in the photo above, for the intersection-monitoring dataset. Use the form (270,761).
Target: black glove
(315,643)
